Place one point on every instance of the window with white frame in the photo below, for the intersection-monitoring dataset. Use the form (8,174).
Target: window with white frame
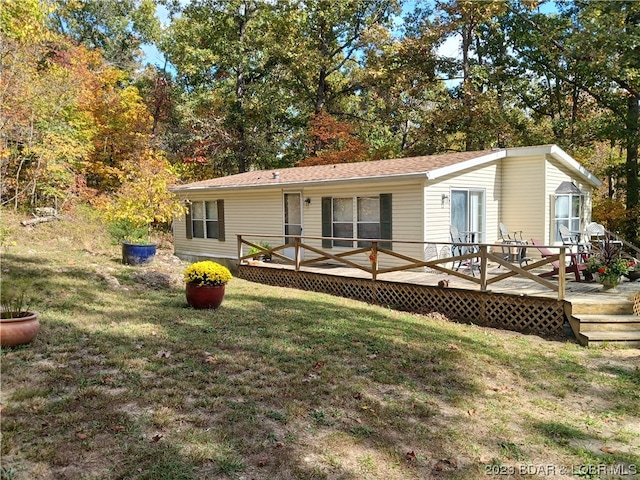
(568,210)
(206,219)
(356,217)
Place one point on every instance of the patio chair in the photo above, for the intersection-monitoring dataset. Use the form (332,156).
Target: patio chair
(456,249)
(572,239)
(458,237)
(595,233)
(575,266)
(514,246)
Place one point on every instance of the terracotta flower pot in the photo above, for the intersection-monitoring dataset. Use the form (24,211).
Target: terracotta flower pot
(204,296)
(18,330)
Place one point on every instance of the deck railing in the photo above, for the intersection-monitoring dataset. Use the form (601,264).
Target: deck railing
(474,258)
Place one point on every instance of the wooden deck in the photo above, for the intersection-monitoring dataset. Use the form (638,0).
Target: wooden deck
(492,292)
(610,315)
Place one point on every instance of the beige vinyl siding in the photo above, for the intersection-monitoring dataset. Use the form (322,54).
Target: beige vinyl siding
(524,199)
(259,211)
(406,212)
(556,174)
(438,214)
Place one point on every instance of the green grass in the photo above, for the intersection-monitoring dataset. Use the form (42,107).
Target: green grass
(126,381)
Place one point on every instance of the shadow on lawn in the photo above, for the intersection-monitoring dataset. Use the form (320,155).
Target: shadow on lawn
(144,387)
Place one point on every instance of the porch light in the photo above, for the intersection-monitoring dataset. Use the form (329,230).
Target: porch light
(307,201)
(444,199)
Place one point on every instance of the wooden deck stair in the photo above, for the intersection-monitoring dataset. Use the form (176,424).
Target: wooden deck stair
(615,323)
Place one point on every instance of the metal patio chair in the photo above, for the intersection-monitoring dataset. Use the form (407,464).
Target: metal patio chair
(514,247)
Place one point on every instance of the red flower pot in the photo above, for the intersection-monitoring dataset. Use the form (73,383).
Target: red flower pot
(18,330)
(204,296)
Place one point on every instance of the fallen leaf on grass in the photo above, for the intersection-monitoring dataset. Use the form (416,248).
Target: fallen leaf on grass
(118,428)
(369,409)
(163,354)
(411,455)
(606,449)
(156,438)
(82,436)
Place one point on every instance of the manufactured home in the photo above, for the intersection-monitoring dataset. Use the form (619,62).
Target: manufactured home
(414,200)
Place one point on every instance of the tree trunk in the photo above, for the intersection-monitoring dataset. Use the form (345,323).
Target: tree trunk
(631,167)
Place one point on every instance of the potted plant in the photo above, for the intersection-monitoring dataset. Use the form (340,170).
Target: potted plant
(259,253)
(142,200)
(18,324)
(205,284)
(608,265)
(135,238)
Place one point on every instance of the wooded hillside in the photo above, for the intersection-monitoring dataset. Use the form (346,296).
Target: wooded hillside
(261,84)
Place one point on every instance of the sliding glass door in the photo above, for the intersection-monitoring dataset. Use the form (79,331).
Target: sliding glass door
(468,211)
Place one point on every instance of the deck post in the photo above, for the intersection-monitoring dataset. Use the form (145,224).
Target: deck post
(296,243)
(562,273)
(483,268)
(373,256)
(239,237)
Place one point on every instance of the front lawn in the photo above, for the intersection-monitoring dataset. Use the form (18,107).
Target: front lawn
(125,381)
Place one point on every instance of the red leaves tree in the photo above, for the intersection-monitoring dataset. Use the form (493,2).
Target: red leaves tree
(332,142)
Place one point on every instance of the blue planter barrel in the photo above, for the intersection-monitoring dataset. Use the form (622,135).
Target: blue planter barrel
(136,254)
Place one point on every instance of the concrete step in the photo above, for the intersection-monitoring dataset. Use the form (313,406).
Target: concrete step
(620,307)
(608,322)
(628,339)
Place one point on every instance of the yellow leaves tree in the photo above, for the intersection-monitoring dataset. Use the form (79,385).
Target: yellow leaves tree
(43,135)
(143,198)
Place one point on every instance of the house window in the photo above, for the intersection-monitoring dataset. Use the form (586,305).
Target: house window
(567,208)
(356,217)
(206,219)
(368,219)
(342,221)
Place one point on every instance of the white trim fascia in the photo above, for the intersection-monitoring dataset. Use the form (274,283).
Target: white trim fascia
(567,160)
(441,172)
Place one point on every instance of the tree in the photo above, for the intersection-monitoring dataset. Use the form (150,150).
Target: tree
(115,27)
(45,136)
(595,48)
(332,142)
(223,53)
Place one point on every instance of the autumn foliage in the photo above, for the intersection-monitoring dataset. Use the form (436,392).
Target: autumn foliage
(332,142)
